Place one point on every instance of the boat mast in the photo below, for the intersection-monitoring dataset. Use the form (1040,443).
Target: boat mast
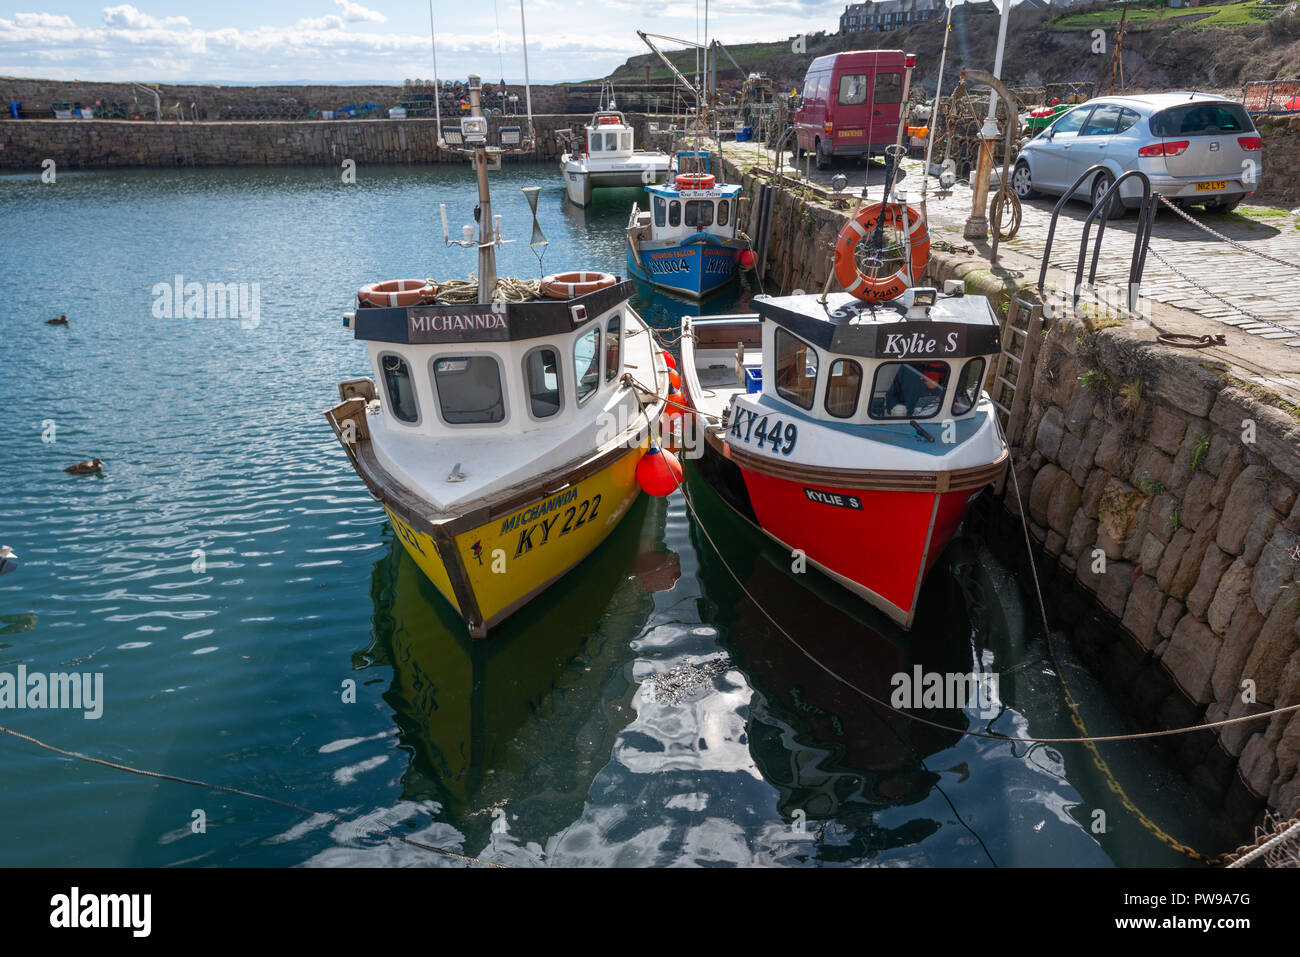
(437,90)
(487,256)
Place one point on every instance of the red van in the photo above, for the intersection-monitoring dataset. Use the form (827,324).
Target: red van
(851,105)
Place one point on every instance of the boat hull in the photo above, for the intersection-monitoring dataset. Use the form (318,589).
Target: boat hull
(879,541)
(690,269)
(492,568)
(580,179)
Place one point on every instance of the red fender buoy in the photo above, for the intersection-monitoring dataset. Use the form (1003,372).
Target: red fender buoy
(658,473)
(675,378)
(669,361)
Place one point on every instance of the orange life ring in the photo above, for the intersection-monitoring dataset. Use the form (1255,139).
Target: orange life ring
(608,121)
(695,181)
(398,292)
(880,288)
(566,285)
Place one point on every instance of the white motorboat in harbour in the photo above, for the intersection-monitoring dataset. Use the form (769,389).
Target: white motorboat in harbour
(606,157)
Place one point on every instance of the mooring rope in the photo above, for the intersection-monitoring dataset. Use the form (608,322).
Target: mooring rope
(1247,853)
(249,794)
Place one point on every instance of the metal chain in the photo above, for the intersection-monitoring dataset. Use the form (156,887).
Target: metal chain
(1231,242)
(1231,305)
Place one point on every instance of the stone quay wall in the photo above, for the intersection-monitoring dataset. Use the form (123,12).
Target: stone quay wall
(1280,180)
(1168,489)
(104,144)
(36,95)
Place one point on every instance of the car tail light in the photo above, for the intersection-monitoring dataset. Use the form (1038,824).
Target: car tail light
(1250,142)
(829,127)
(1176,148)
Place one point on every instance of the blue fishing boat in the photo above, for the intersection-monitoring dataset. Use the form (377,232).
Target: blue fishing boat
(686,241)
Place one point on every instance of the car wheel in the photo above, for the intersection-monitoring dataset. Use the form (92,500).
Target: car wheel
(1223,205)
(1099,187)
(822,160)
(1022,181)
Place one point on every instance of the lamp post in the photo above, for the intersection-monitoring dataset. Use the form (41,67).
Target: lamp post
(977,226)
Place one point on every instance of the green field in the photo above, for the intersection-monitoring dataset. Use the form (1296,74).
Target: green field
(1150,15)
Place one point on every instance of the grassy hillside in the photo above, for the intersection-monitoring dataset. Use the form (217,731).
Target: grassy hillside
(1217,45)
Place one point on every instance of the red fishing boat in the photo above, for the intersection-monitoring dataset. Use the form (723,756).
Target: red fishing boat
(851,428)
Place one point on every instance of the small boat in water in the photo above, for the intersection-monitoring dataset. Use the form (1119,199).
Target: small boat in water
(853,432)
(607,157)
(502,435)
(686,241)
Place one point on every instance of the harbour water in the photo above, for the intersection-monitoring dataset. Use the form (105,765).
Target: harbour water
(233,582)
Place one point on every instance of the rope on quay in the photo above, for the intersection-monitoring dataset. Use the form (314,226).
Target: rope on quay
(249,794)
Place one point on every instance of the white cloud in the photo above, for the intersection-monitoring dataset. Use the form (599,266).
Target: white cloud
(127,17)
(327,22)
(43,20)
(356,13)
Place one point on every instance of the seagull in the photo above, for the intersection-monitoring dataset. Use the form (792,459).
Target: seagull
(57,321)
(8,560)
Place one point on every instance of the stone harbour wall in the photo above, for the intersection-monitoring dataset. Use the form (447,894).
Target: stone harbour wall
(1169,491)
(1280,180)
(102,144)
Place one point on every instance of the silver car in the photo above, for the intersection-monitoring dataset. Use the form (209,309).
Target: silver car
(1196,148)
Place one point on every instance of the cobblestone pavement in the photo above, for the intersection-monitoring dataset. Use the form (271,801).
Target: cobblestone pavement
(1267,290)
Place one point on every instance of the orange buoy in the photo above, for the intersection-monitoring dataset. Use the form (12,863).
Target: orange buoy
(669,361)
(658,473)
(880,288)
(695,181)
(398,292)
(675,404)
(675,378)
(566,285)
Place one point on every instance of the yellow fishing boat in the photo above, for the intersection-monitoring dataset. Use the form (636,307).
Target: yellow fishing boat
(501,436)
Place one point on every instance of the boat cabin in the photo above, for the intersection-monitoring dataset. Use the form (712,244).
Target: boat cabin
(609,135)
(921,357)
(497,370)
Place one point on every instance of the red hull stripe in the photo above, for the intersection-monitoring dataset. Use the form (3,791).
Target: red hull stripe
(877,539)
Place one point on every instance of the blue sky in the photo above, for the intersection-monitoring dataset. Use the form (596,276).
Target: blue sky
(365,40)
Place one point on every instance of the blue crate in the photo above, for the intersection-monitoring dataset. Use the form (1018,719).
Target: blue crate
(753,379)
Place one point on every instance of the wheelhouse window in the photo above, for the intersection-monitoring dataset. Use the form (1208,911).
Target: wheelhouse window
(889,88)
(796,369)
(968,387)
(699,213)
(675,213)
(613,346)
(469,390)
(586,360)
(400,388)
(853,89)
(626,140)
(908,390)
(597,141)
(723,212)
(842,388)
(542,377)
(661,210)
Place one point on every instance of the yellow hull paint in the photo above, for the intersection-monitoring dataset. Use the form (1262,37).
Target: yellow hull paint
(512,557)
(425,553)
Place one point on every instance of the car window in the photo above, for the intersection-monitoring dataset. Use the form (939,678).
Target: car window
(1126,119)
(1104,120)
(1071,122)
(1201,119)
